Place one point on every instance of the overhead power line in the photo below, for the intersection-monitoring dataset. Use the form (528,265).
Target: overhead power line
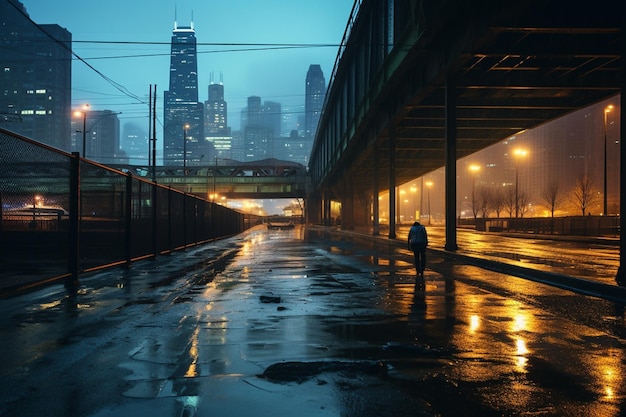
(115,84)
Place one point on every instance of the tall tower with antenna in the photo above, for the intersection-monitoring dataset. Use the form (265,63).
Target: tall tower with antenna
(183,121)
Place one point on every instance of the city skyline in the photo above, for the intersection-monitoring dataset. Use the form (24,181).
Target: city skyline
(250,45)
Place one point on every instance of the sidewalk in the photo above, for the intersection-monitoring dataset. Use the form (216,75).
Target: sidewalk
(551,274)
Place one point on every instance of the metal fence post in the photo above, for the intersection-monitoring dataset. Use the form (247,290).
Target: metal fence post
(169,220)
(155,220)
(71,282)
(128,203)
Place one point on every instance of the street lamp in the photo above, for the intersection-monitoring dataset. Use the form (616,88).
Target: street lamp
(474,169)
(429,184)
(518,153)
(607,110)
(414,192)
(84,114)
(401,194)
(95,120)
(185,127)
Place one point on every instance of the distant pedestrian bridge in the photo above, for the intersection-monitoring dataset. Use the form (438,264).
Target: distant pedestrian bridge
(263,179)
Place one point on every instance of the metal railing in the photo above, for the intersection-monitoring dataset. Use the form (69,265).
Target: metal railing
(62,215)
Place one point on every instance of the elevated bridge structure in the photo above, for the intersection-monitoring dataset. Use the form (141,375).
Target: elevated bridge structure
(420,84)
(268,178)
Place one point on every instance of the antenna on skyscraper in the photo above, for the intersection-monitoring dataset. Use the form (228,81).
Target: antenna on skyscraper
(192,20)
(221,77)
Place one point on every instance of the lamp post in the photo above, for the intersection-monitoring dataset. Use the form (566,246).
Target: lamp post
(185,127)
(429,184)
(83,113)
(414,192)
(95,120)
(474,169)
(519,153)
(607,110)
(401,194)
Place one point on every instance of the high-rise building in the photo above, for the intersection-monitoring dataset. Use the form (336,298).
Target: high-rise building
(134,142)
(315,94)
(183,125)
(216,130)
(35,77)
(261,126)
(216,112)
(272,117)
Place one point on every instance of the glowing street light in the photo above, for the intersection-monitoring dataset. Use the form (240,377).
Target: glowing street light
(94,121)
(518,153)
(83,113)
(607,110)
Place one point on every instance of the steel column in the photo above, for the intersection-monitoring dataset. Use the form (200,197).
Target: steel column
(376,230)
(621,272)
(392,178)
(450,168)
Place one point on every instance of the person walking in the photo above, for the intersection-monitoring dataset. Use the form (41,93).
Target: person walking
(418,240)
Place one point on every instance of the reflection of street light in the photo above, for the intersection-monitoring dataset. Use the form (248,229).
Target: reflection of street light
(185,127)
(607,110)
(518,153)
(429,184)
(84,114)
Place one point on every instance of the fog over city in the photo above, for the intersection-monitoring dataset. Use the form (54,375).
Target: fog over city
(257,48)
(557,154)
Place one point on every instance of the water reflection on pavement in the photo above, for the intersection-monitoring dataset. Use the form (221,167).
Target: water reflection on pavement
(585,258)
(313,323)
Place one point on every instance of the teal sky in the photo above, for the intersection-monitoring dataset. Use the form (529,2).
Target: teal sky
(133,38)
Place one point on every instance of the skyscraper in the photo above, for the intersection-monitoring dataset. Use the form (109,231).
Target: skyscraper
(216,112)
(216,130)
(35,77)
(134,141)
(183,115)
(315,94)
(261,124)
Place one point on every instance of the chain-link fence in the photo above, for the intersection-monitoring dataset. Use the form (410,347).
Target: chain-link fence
(61,215)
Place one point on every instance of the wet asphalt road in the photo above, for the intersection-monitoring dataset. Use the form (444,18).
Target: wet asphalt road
(309,323)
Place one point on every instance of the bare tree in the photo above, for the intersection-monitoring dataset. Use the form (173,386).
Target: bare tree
(497,201)
(510,201)
(484,201)
(474,203)
(552,197)
(523,200)
(584,194)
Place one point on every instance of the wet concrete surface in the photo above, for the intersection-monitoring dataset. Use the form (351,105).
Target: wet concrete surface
(310,322)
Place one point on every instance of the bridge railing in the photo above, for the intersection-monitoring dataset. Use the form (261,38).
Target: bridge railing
(61,215)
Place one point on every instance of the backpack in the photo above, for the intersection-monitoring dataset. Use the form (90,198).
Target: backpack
(418,234)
